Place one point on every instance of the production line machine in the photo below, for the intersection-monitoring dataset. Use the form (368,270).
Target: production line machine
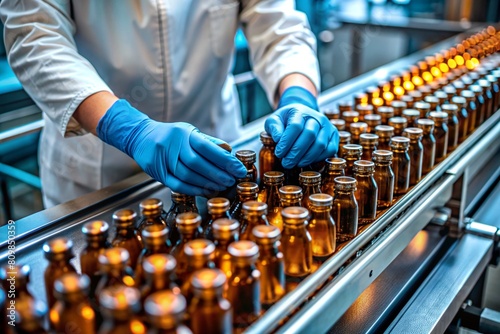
(421,266)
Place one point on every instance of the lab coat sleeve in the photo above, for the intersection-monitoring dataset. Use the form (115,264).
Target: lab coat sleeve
(43,54)
(280,42)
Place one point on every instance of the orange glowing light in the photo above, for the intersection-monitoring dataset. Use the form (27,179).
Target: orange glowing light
(451,63)
(469,64)
(88,313)
(466,56)
(436,73)
(400,91)
(408,85)
(388,96)
(460,60)
(387,87)
(443,68)
(417,81)
(427,76)
(475,61)
(377,101)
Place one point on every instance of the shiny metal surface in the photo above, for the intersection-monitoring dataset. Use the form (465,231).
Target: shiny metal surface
(22,130)
(437,301)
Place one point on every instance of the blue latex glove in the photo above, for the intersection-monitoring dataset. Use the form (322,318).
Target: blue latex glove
(303,134)
(175,154)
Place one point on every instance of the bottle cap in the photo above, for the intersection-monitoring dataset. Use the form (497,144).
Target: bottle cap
(478,90)
(121,301)
(484,83)
(155,234)
(414,134)
(450,109)
(115,257)
(338,123)
(458,84)
(358,128)
(399,142)
(218,205)
(345,106)
(373,119)
(95,228)
(351,116)
(159,264)
(243,249)
(382,156)
(438,116)
(345,183)
(254,208)
(309,177)
(399,104)
(124,218)
(266,138)
(294,215)
(364,109)
(441,96)
(58,249)
(368,139)
(151,207)
(469,95)
(266,234)
(335,164)
(352,150)
(199,249)
(411,113)
(429,100)
(387,112)
(384,131)
(291,193)
(208,279)
(247,188)
(181,198)
(398,122)
(320,200)
(70,284)
(344,136)
(460,101)
(247,156)
(188,222)
(415,94)
(274,178)
(363,167)
(225,228)
(427,125)
(165,309)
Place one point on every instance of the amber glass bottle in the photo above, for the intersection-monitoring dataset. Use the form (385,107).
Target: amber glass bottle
(384,133)
(155,239)
(487,96)
(96,235)
(401,164)
(159,274)
(190,229)
(440,132)
(345,106)
(399,124)
(296,242)
(344,139)
(356,130)
(372,121)
(352,152)
(350,117)
(290,196)
(270,263)
(399,106)
(125,236)
(321,226)
(247,191)
(463,117)
(244,285)
(113,264)
(267,158)
(72,308)
(225,232)
(453,125)
(199,254)
(366,191)
(364,110)
(480,103)
(416,152)
(120,306)
(423,108)
(152,214)
(273,181)
(385,113)
(384,177)
(17,278)
(345,208)
(58,252)
(165,313)
(334,167)
(311,184)
(248,158)
(180,204)
(339,124)
(411,116)
(28,320)
(428,142)
(254,213)
(209,311)
(369,143)
(218,208)
(470,97)
(442,98)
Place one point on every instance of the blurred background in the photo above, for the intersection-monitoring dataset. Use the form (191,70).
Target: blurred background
(353,36)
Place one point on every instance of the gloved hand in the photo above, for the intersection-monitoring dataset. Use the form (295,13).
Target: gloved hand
(302,134)
(175,154)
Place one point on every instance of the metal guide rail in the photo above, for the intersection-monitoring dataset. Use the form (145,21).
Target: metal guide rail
(339,280)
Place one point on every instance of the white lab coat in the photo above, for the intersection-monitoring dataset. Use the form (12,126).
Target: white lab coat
(168,58)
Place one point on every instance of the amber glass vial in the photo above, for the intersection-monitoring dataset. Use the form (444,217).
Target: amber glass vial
(385,114)
(369,143)
(113,264)
(273,181)
(480,104)
(152,214)
(471,109)
(356,130)
(321,226)
(247,191)
(345,208)
(398,107)
(311,184)
(401,164)
(96,235)
(442,98)
(453,126)
(200,254)
(181,203)
(72,308)
(384,177)
(17,277)
(384,133)
(352,152)
(248,158)
(244,285)
(125,237)
(345,106)
(440,132)
(399,124)
(334,167)
(364,110)
(254,213)
(271,264)
(350,117)
(225,232)
(209,311)
(267,157)
(120,306)
(58,252)
(159,274)
(433,104)
(296,242)
(366,191)
(28,320)
(429,144)
(416,152)
(463,117)
(155,240)
(339,124)
(344,139)
(487,96)
(372,121)
(290,196)
(217,208)
(411,116)
(165,312)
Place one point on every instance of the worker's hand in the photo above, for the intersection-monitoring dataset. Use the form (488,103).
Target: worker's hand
(302,134)
(175,154)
